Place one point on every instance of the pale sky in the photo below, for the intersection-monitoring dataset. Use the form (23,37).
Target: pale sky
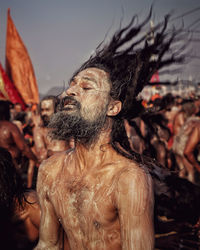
(61,34)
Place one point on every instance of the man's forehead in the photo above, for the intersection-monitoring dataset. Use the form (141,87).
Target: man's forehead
(48,102)
(94,74)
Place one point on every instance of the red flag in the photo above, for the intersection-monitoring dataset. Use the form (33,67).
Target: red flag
(8,90)
(18,65)
(155,78)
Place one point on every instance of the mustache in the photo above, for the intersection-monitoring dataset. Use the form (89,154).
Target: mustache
(68,100)
(45,117)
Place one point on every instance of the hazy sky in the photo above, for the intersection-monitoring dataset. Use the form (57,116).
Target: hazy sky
(61,34)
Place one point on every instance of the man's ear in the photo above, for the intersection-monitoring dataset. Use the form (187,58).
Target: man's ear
(114,108)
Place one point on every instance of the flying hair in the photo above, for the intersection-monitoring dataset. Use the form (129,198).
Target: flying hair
(131,59)
(128,59)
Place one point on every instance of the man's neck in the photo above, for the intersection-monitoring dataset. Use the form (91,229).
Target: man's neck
(92,155)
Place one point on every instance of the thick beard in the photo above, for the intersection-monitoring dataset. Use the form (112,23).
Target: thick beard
(65,126)
(45,120)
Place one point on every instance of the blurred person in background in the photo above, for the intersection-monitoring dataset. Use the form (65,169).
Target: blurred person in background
(12,139)
(184,123)
(19,208)
(16,108)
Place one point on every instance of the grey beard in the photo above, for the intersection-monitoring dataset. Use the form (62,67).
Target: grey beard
(65,126)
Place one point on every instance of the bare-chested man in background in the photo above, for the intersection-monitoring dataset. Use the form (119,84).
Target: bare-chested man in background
(44,145)
(11,138)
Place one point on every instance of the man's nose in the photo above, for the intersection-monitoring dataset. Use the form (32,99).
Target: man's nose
(71,91)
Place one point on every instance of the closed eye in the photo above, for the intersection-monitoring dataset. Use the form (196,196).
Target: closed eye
(85,88)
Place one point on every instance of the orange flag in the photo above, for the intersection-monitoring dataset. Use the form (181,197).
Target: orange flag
(18,65)
(8,90)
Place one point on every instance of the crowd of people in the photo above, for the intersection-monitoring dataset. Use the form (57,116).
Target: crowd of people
(110,173)
(169,134)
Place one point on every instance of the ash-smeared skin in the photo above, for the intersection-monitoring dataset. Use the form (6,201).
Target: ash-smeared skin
(87,86)
(102,200)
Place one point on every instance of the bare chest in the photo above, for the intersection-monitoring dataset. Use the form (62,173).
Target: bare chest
(85,200)
(86,211)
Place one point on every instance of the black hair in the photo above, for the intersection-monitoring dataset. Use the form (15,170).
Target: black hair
(21,116)
(55,100)
(17,103)
(128,61)
(4,110)
(11,185)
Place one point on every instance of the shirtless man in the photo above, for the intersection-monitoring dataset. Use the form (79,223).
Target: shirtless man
(181,147)
(97,193)
(101,188)
(188,109)
(184,124)
(11,138)
(44,145)
(192,144)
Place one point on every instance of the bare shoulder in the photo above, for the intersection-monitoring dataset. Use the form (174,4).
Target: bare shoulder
(134,185)
(31,196)
(9,125)
(132,171)
(33,208)
(29,203)
(51,167)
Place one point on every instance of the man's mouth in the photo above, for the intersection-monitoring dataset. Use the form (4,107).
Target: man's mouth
(68,103)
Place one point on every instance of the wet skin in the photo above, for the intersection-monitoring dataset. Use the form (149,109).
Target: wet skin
(29,215)
(44,145)
(12,139)
(101,199)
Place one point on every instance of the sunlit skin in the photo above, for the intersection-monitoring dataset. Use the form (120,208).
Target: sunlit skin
(179,120)
(44,145)
(183,147)
(29,215)
(102,200)
(191,145)
(12,139)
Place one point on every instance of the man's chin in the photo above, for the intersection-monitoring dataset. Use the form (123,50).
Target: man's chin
(45,124)
(69,111)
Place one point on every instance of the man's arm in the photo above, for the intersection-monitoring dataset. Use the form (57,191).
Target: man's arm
(49,235)
(21,143)
(38,137)
(134,201)
(178,122)
(191,144)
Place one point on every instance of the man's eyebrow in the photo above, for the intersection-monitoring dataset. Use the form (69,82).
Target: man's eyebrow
(89,79)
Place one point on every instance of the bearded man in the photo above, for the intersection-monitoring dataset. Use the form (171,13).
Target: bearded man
(44,145)
(100,193)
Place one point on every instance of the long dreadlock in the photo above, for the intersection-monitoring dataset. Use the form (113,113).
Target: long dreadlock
(128,61)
